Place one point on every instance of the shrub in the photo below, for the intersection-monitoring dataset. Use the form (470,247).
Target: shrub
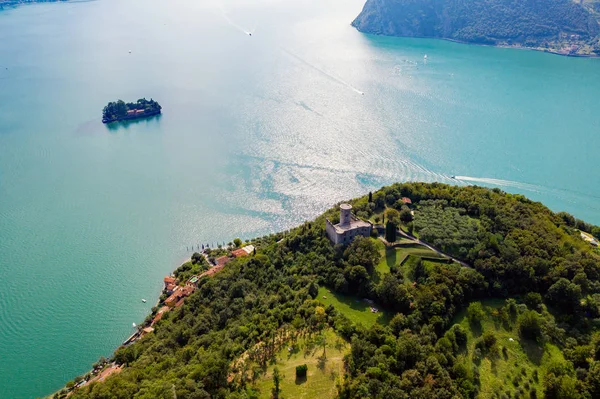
(460,335)
(530,325)
(489,339)
(533,300)
(477,355)
(533,393)
(475,313)
(301,371)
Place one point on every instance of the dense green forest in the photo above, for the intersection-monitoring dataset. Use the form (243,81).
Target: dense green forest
(120,110)
(561,26)
(522,322)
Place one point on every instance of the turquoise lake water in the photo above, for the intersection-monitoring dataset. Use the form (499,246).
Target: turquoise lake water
(258,134)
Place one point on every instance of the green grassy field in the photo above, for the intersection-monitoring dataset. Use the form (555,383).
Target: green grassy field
(356,309)
(321,376)
(395,256)
(516,373)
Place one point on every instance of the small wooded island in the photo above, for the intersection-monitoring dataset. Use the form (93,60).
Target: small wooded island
(120,110)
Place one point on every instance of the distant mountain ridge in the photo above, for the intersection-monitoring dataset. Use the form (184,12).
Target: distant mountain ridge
(558,26)
(17,2)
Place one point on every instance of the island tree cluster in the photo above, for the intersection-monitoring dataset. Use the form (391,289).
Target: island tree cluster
(121,110)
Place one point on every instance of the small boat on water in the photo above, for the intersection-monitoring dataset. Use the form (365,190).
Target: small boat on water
(143,300)
(133,325)
(453,177)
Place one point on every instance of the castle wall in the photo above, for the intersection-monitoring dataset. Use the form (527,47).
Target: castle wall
(331,233)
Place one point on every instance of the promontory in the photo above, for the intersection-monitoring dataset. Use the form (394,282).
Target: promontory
(559,26)
(413,291)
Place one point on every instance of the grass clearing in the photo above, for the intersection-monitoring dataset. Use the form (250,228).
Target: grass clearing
(518,369)
(355,309)
(322,373)
(396,256)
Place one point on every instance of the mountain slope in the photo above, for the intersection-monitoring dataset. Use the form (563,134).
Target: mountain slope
(560,26)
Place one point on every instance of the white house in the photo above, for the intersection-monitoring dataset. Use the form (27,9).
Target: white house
(349,227)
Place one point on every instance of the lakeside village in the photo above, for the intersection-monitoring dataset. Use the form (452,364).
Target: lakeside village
(182,284)
(177,290)
(173,295)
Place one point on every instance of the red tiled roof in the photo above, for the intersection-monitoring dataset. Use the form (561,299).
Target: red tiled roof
(179,303)
(212,271)
(406,200)
(175,296)
(157,317)
(222,260)
(239,253)
(169,279)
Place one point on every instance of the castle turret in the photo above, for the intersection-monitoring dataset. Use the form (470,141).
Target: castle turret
(345,211)
(348,228)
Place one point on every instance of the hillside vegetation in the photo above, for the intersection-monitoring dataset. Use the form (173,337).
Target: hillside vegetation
(524,317)
(561,26)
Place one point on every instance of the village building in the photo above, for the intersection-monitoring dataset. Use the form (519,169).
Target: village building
(176,298)
(349,227)
(168,280)
(159,314)
(249,249)
(222,261)
(238,253)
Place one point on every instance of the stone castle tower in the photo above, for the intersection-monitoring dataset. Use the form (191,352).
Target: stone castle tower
(345,214)
(349,227)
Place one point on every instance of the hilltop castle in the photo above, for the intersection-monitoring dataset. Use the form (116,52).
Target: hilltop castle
(349,227)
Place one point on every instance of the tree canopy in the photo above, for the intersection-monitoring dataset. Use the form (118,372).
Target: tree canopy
(119,110)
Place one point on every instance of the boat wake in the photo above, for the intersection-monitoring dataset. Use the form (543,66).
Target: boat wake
(574,197)
(323,72)
(502,183)
(236,26)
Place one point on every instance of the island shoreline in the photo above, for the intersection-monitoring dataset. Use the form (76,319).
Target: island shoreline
(133,117)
